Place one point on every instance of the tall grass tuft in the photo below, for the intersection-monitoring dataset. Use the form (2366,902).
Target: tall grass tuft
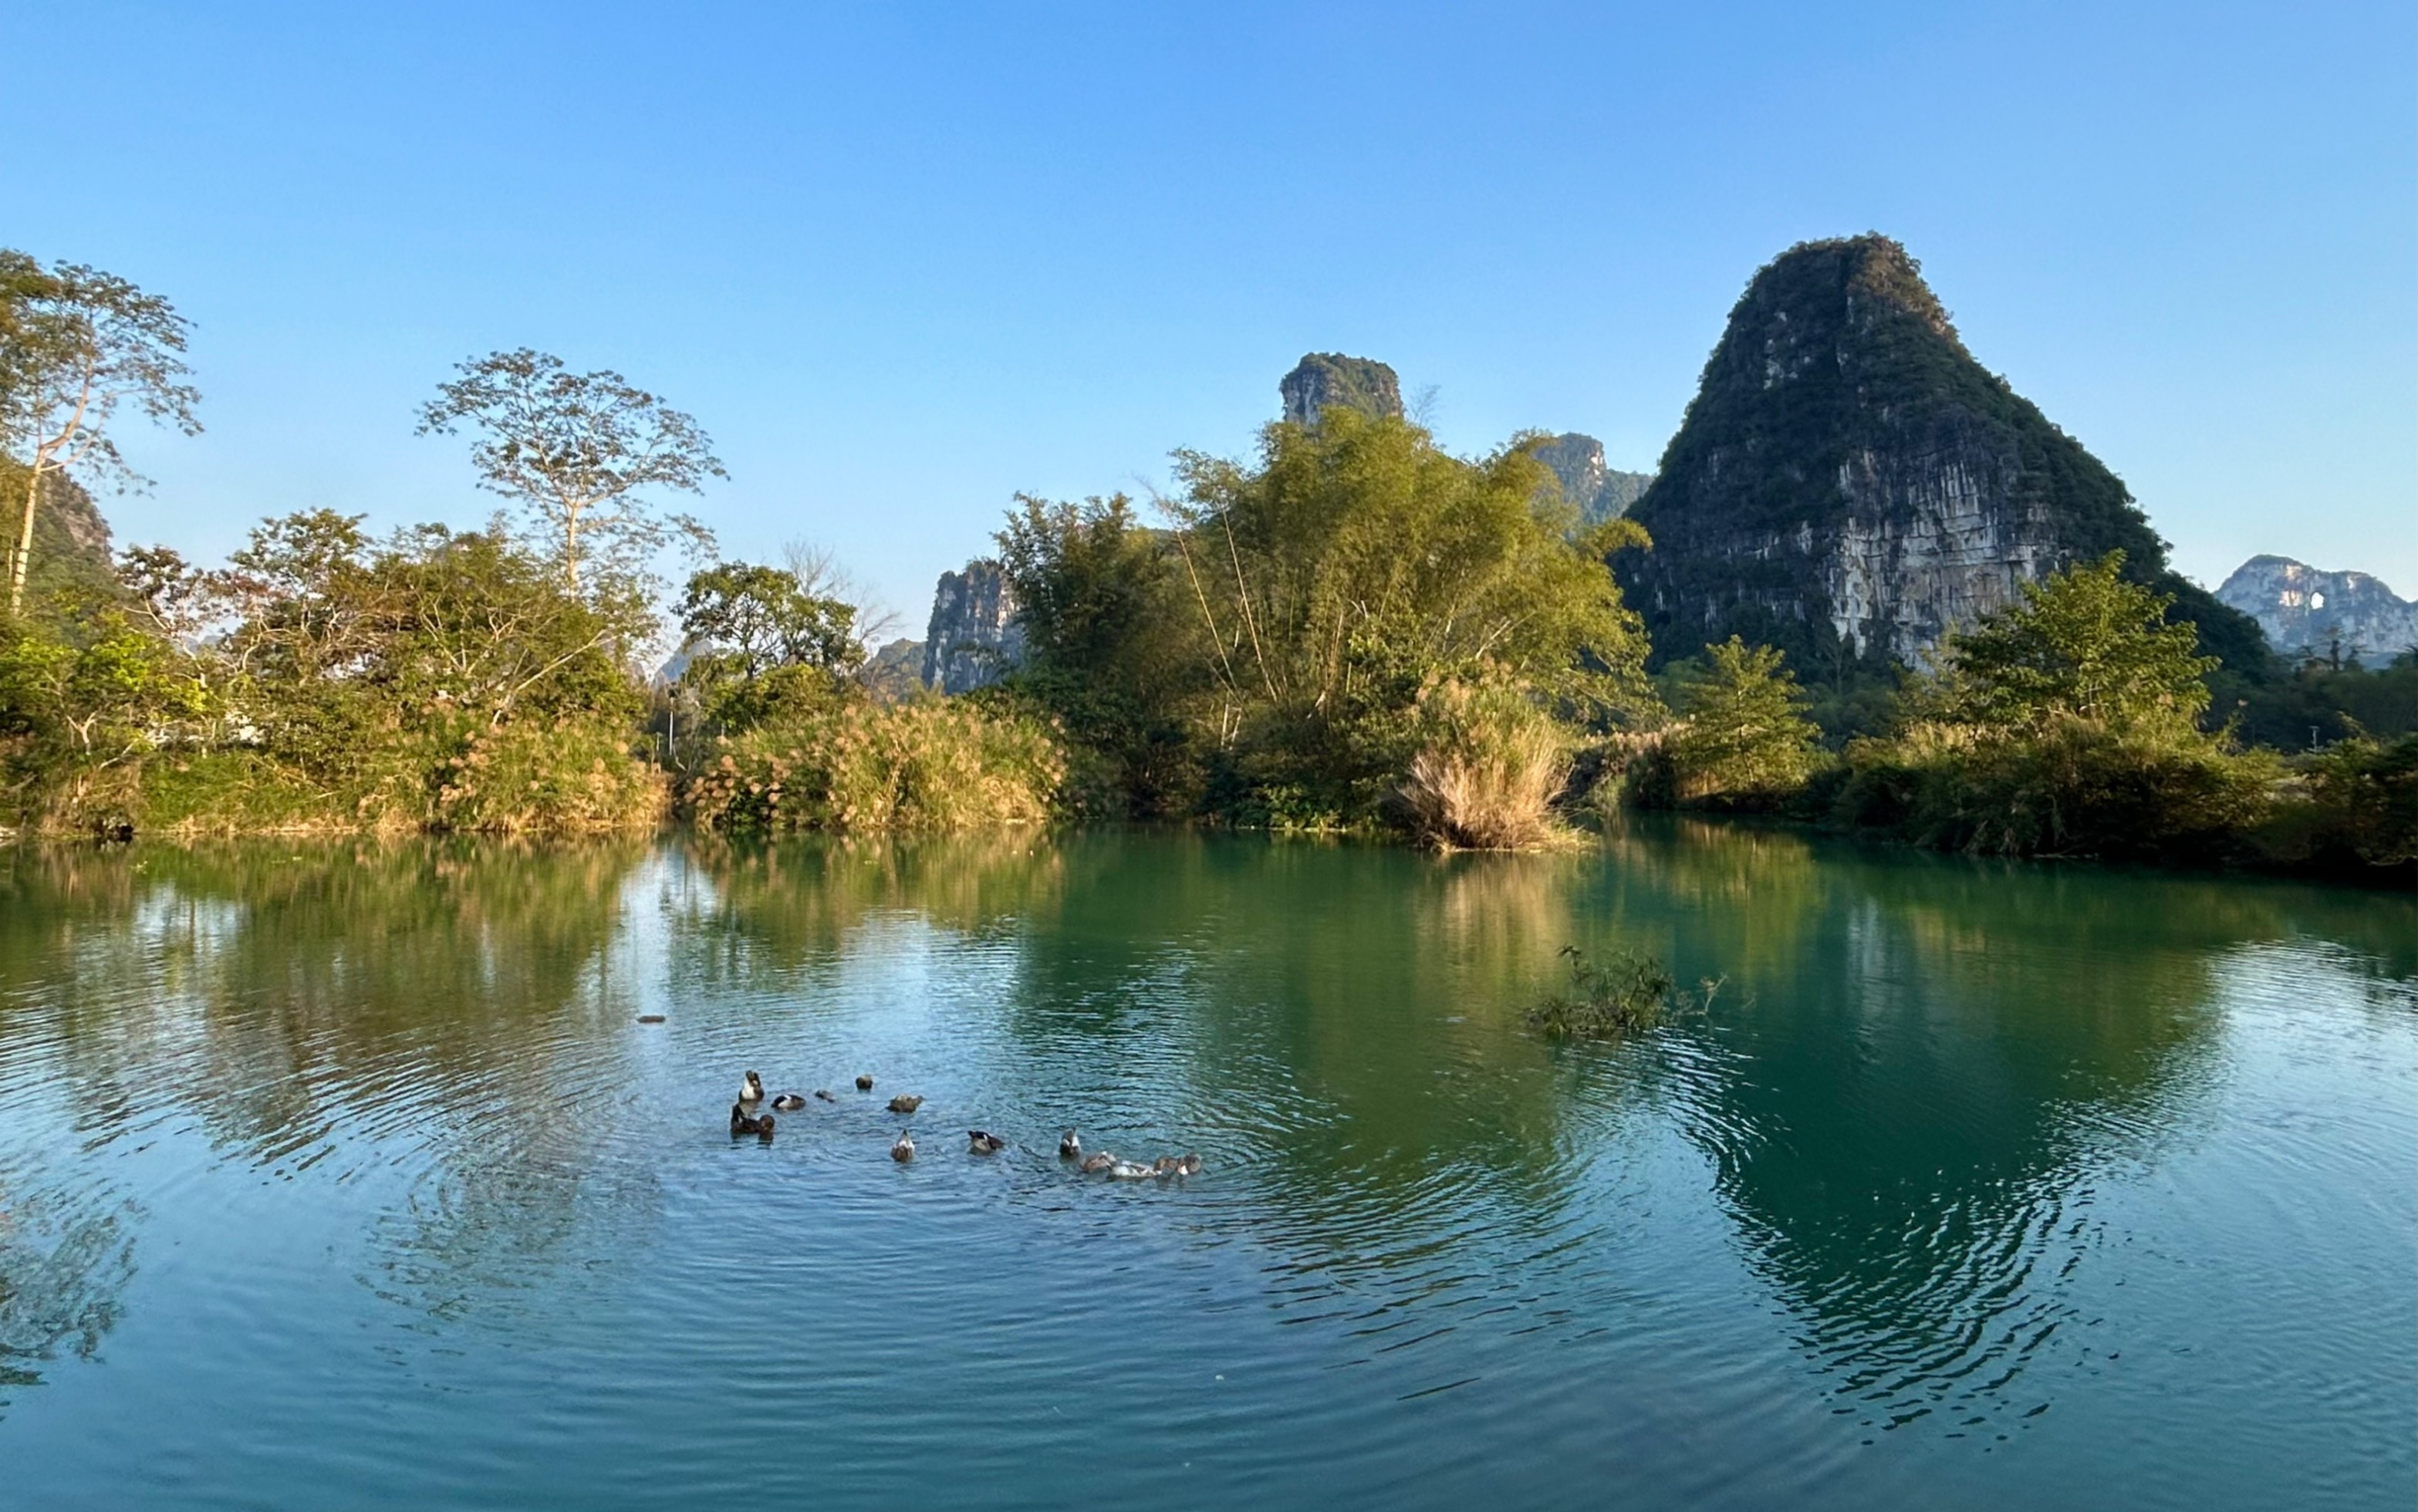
(1487,773)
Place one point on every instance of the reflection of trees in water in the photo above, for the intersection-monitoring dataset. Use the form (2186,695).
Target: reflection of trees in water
(64,1269)
(323,1003)
(1337,1012)
(798,902)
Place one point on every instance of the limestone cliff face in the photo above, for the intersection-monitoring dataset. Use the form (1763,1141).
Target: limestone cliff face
(1321,380)
(2303,609)
(974,638)
(1849,482)
(1576,460)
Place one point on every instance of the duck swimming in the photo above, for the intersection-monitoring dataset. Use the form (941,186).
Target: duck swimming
(979,1143)
(789,1102)
(824,1093)
(903,1103)
(1069,1147)
(751,1087)
(864,1082)
(905,1149)
(1094,1164)
(1128,1170)
(1188,1165)
(742,1122)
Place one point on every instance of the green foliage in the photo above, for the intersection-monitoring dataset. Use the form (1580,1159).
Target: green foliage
(567,776)
(767,648)
(1266,659)
(2065,725)
(929,764)
(1624,993)
(1743,739)
(2319,702)
(343,683)
(2072,787)
(2357,813)
(2084,644)
(1112,648)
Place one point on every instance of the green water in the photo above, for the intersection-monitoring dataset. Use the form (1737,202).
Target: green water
(348,1177)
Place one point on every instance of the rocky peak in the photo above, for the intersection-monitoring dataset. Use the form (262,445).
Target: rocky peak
(2304,609)
(1321,380)
(1576,461)
(974,638)
(1848,482)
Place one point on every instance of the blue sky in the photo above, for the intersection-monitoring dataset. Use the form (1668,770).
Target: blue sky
(903,261)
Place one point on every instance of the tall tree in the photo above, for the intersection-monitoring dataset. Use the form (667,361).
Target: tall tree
(2083,643)
(577,451)
(75,344)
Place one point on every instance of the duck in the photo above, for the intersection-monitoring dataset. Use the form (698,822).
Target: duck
(904,1103)
(981,1143)
(789,1102)
(742,1122)
(824,1094)
(1129,1171)
(904,1149)
(1163,1166)
(1069,1147)
(750,1089)
(864,1081)
(1094,1164)
(1187,1164)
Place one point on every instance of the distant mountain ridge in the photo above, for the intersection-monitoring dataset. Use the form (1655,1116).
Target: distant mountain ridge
(1576,461)
(2303,608)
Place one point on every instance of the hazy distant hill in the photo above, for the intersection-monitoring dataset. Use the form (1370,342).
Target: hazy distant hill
(2302,608)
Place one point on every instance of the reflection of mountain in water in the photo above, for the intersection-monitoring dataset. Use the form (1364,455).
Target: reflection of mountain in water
(1933,1076)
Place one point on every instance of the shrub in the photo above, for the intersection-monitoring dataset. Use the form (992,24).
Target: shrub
(1624,993)
(2070,787)
(2356,810)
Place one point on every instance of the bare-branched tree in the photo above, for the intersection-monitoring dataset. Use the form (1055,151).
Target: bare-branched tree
(75,344)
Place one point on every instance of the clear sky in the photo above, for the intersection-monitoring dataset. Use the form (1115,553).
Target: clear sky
(904,260)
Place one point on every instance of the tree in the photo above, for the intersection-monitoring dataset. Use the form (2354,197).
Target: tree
(1745,734)
(577,451)
(764,647)
(75,344)
(2083,643)
(759,617)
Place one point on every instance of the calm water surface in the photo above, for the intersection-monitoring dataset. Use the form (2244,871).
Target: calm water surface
(340,1177)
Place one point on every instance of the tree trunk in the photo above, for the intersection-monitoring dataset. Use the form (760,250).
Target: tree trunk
(24,540)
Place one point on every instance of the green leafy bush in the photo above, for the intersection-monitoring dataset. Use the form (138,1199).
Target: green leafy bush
(1624,993)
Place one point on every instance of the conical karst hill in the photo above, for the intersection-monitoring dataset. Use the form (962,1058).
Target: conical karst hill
(1848,480)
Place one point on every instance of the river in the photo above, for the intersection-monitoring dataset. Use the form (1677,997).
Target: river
(338,1176)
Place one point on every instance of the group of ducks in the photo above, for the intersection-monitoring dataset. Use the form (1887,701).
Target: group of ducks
(746,1120)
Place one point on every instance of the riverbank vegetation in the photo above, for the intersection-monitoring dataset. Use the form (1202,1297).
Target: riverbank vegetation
(1352,630)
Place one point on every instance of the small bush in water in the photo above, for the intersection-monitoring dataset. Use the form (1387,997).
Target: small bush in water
(1618,995)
